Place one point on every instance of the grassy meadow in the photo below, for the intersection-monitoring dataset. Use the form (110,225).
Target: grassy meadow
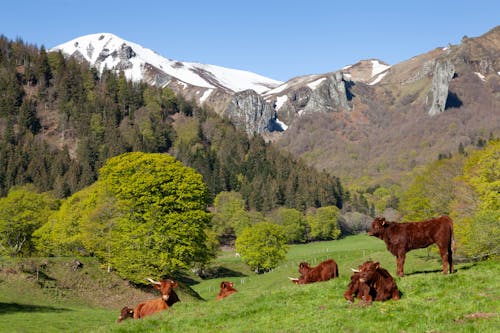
(467,301)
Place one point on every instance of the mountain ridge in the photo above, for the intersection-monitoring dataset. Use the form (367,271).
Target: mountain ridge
(346,120)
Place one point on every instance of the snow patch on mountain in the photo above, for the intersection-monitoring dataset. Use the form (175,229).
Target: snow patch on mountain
(105,50)
(378,67)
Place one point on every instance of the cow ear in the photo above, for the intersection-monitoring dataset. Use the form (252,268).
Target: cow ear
(175,284)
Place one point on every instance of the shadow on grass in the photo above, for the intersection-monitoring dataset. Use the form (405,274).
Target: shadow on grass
(424,272)
(6,308)
(439,270)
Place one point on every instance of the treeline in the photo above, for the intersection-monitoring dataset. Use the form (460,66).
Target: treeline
(61,120)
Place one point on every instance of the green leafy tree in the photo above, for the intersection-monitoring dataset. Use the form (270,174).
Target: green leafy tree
(476,208)
(145,216)
(293,222)
(230,216)
(323,223)
(21,213)
(62,234)
(161,217)
(432,190)
(262,246)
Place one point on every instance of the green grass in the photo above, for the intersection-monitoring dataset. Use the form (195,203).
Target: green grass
(467,301)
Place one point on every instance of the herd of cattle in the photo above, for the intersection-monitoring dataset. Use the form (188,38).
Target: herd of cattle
(369,282)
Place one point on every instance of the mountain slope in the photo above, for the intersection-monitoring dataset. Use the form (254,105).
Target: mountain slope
(422,108)
(367,120)
(139,63)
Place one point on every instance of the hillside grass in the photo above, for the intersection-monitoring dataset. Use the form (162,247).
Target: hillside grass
(467,301)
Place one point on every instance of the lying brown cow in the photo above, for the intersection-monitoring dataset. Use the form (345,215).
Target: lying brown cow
(372,282)
(167,299)
(125,313)
(356,288)
(403,237)
(325,271)
(226,289)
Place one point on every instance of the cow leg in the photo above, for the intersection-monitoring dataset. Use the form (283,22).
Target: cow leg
(401,262)
(395,294)
(446,256)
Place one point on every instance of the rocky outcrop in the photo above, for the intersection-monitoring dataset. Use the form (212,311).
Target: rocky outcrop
(438,93)
(310,94)
(329,96)
(250,112)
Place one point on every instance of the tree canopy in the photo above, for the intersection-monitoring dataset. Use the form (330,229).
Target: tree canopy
(262,246)
(146,215)
(22,211)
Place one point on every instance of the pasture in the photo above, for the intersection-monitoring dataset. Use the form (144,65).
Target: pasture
(467,301)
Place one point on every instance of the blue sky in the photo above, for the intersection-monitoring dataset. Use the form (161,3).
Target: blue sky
(277,39)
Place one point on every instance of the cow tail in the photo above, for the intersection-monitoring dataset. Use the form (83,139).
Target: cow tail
(453,243)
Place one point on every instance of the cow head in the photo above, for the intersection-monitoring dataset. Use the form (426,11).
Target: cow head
(226,285)
(367,270)
(304,268)
(378,225)
(125,313)
(165,286)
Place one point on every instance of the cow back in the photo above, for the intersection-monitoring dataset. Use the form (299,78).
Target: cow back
(325,271)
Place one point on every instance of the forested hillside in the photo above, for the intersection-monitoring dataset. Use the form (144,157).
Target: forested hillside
(60,120)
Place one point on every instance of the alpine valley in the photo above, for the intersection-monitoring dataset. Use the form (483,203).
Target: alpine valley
(366,119)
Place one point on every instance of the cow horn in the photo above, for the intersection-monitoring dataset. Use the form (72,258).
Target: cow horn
(153,281)
(293,279)
(355,270)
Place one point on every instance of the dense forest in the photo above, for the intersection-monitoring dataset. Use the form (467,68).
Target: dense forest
(61,120)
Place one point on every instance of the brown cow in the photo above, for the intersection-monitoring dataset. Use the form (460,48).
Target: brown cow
(167,299)
(325,271)
(382,286)
(403,237)
(357,288)
(226,289)
(125,313)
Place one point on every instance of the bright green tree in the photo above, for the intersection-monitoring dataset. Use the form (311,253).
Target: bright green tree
(432,190)
(293,222)
(323,223)
(145,216)
(262,246)
(230,216)
(476,208)
(21,213)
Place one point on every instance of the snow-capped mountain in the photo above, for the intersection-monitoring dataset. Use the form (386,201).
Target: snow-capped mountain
(105,50)
(252,101)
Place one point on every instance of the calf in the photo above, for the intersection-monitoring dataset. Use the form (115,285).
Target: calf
(380,282)
(372,282)
(400,238)
(167,299)
(357,288)
(325,271)
(226,289)
(125,313)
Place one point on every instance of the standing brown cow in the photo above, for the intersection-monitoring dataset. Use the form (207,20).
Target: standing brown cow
(226,289)
(167,299)
(403,237)
(325,271)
